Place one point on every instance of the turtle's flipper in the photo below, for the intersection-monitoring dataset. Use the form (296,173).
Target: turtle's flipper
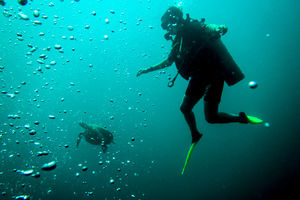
(79,139)
(104,148)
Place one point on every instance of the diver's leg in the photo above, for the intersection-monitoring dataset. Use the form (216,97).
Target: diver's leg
(211,105)
(194,92)
(212,115)
(186,108)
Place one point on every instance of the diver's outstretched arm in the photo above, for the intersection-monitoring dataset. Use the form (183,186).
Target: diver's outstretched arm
(79,139)
(165,63)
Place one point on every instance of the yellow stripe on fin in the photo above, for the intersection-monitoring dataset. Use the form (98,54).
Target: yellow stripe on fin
(254,120)
(188,156)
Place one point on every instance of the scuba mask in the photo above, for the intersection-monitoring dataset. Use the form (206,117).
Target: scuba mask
(170,20)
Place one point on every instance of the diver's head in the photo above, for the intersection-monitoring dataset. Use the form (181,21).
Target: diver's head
(172,19)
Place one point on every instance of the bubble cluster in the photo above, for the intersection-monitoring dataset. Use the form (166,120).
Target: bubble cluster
(62,73)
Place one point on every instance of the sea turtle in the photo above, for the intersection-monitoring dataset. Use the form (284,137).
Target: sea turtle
(95,135)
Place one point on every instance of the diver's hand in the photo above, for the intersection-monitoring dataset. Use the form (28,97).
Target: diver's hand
(217,29)
(140,72)
(222,29)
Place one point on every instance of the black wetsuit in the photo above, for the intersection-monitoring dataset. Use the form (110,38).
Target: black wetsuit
(201,57)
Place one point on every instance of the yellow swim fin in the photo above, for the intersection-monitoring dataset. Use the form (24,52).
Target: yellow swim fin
(254,120)
(188,156)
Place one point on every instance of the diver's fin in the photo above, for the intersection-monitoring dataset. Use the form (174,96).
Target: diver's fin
(188,156)
(254,120)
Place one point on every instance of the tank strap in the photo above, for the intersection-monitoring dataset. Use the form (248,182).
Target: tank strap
(171,83)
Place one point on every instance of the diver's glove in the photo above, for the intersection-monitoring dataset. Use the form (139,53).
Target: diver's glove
(222,29)
(140,72)
(216,31)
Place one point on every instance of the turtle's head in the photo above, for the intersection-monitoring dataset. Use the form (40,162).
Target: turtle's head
(83,125)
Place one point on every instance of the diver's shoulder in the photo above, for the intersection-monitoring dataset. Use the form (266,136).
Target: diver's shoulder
(194,25)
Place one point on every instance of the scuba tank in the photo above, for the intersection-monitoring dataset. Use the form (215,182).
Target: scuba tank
(183,68)
(195,37)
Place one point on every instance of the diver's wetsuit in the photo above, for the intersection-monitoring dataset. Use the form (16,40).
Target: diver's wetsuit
(201,57)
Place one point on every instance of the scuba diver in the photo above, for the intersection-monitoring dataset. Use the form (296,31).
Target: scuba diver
(95,135)
(200,57)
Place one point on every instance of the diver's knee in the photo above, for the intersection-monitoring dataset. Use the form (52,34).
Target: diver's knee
(185,109)
(211,119)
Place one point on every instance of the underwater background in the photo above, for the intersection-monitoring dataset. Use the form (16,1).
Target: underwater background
(75,61)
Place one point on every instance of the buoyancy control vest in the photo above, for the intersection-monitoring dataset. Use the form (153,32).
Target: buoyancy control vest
(197,50)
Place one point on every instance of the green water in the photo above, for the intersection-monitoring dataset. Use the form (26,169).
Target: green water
(92,78)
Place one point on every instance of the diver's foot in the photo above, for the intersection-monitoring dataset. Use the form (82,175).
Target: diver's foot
(196,137)
(243,118)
